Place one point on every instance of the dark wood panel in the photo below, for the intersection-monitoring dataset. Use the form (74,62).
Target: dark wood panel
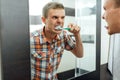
(14,28)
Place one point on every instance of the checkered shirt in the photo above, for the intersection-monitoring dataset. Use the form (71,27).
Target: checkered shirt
(46,55)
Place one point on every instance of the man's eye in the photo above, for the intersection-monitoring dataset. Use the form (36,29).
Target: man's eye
(55,17)
(63,17)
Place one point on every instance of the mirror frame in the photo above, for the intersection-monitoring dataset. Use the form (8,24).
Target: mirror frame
(14,30)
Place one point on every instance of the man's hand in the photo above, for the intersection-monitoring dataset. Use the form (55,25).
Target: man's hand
(75,29)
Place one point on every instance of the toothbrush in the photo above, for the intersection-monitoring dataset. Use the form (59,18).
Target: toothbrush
(60,28)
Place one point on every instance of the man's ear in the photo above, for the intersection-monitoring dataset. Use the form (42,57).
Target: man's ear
(43,19)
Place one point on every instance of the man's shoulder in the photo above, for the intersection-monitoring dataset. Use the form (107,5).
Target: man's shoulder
(36,33)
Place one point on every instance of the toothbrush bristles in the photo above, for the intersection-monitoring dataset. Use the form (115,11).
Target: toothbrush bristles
(59,28)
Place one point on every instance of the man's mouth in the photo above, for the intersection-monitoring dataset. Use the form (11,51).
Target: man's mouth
(58,28)
(106,27)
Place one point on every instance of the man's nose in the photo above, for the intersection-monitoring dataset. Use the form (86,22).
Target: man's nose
(60,20)
(103,16)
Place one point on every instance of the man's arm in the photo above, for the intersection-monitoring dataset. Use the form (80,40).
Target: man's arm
(78,49)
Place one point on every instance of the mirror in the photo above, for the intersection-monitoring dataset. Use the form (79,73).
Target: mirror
(83,13)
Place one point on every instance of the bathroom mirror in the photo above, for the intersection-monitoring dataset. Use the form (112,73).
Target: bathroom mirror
(83,13)
(17,16)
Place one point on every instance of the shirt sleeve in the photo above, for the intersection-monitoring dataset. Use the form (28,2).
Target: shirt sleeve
(69,42)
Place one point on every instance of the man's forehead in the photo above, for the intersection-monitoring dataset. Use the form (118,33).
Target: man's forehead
(57,11)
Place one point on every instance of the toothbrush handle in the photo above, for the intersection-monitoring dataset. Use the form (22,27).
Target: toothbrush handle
(67,29)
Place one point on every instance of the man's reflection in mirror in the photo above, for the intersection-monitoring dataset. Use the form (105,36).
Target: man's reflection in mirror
(48,43)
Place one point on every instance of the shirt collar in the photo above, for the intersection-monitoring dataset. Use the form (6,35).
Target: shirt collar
(43,39)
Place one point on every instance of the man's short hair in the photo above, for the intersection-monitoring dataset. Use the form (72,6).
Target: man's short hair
(51,5)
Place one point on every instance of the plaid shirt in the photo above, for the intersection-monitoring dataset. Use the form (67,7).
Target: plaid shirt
(46,55)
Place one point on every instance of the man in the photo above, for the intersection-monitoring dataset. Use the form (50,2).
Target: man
(112,17)
(48,44)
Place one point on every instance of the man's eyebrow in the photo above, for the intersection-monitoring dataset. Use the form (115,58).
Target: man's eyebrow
(55,16)
(63,16)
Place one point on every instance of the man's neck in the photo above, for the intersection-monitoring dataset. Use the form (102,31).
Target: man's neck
(49,35)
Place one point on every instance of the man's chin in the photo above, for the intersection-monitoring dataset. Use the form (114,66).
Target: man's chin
(114,30)
(111,33)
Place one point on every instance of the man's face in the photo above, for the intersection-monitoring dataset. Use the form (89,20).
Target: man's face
(55,18)
(112,17)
